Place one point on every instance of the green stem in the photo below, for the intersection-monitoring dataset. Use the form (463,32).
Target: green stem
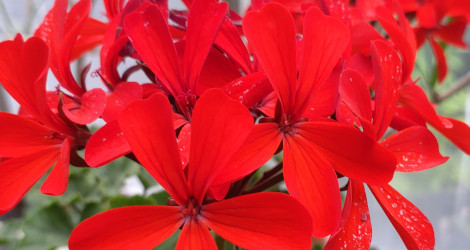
(261,186)
(220,242)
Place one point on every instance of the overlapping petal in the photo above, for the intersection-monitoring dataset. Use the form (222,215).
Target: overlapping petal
(388,73)
(148,31)
(18,175)
(134,227)
(204,20)
(415,148)
(355,231)
(58,179)
(261,221)
(324,41)
(350,152)
(256,150)
(106,144)
(148,128)
(195,234)
(310,178)
(21,136)
(411,224)
(271,33)
(219,127)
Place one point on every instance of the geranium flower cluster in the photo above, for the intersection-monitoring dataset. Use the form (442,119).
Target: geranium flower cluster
(325,83)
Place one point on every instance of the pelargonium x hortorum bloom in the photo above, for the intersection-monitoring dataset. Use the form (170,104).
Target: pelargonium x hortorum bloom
(148,30)
(313,150)
(415,147)
(219,127)
(38,137)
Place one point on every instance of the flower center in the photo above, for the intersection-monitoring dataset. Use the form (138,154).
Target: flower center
(191,211)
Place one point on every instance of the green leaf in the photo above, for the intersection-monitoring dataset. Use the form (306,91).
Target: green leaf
(48,228)
(122,201)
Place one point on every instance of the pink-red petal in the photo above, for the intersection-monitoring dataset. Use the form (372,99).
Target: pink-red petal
(411,224)
(22,136)
(195,235)
(324,40)
(355,231)
(415,148)
(105,145)
(56,182)
(388,72)
(122,95)
(312,180)
(218,129)
(204,20)
(257,149)
(134,227)
(350,151)
(18,175)
(93,103)
(148,127)
(148,31)
(271,33)
(261,221)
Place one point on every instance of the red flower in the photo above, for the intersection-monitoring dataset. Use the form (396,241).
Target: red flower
(38,139)
(219,127)
(415,148)
(312,150)
(66,35)
(431,17)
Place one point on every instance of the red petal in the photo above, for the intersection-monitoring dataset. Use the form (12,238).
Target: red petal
(452,33)
(106,145)
(405,117)
(218,71)
(219,127)
(249,89)
(228,39)
(261,221)
(271,32)
(74,24)
(148,31)
(415,148)
(134,227)
(324,39)
(362,34)
(204,20)
(148,127)
(388,72)
(91,35)
(440,59)
(93,103)
(457,134)
(18,175)
(56,182)
(350,151)
(122,95)
(195,235)
(24,70)
(21,136)
(257,149)
(355,231)
(355,93)
(402,36)
(184,143)
(324,97)
(413,97)
(414,228)
(310,178)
